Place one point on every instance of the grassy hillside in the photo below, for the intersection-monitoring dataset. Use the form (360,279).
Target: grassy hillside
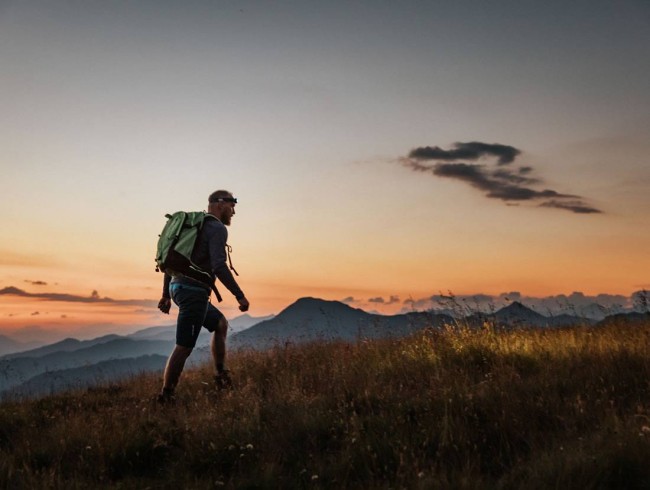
(457,409)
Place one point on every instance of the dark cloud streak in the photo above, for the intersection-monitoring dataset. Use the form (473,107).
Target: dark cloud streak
(504,183)
(576,206)
(71,298)
(472,150)
(36,283)
(499,184)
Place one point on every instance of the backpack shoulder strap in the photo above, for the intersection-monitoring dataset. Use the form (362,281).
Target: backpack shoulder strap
(213,286)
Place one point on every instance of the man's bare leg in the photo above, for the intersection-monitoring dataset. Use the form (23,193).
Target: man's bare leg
(218,347)
(174,367)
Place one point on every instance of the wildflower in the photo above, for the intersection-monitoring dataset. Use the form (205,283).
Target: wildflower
(249,447)
(314,477)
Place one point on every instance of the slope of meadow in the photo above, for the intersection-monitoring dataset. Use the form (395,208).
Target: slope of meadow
(563,408)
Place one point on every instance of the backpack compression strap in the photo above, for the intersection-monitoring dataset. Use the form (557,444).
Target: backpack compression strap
(228,250)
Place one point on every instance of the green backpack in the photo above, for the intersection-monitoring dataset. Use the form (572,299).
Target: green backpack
(176,243)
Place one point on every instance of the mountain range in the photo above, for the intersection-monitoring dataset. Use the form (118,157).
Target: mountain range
(518,315)
(310,319)
(74,363)
(8,345)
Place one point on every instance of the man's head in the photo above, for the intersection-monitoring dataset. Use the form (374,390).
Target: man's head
(221,204)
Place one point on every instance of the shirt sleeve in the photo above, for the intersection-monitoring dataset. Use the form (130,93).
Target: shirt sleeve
(218,261)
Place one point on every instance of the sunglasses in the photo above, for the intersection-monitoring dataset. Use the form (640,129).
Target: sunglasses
(225,199)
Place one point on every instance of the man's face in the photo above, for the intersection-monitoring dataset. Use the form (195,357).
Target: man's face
(227,211)
(223,208)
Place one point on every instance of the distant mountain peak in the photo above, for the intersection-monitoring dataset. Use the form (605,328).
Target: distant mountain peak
(312,300)
(518,307)
(518,312)
(308,303)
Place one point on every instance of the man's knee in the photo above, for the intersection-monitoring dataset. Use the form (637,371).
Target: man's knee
(182,352)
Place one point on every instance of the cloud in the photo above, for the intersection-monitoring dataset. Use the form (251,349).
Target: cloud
(349,300)
(391,300)
(36,283)
(504,182)
(71,298)
(467,151)
(511,296)
(575,206)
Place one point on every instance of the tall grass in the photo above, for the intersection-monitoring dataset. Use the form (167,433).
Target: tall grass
(459,408)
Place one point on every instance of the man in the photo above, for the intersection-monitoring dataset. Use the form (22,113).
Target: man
(193,297)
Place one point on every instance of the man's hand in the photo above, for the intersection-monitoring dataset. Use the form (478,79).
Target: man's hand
(243,304)
(164,305)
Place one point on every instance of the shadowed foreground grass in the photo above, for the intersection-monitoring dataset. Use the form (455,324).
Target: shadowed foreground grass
(457,409)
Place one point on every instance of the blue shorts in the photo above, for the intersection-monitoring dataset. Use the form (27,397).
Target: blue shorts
(194,312)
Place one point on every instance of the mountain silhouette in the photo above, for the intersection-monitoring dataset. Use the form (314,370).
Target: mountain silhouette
(81,377)
(310,319)
(65,345)
(517,315)
(9,345)
(242,322)
(18,370)
(626,319)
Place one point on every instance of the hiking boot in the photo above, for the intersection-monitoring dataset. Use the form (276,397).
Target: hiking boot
(223,381)
(166,398)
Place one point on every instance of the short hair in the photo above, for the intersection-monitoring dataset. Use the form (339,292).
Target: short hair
(220,194)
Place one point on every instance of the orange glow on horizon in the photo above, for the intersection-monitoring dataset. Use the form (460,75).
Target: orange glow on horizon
(19,312)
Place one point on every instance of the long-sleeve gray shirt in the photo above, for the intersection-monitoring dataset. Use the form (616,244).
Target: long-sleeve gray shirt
(210,255)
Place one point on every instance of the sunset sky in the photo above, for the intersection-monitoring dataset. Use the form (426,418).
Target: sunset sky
(382,152)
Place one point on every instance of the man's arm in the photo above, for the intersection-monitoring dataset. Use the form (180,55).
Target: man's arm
(165,302)
(218,260)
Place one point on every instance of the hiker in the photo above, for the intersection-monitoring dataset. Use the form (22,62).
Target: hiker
(192,297)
